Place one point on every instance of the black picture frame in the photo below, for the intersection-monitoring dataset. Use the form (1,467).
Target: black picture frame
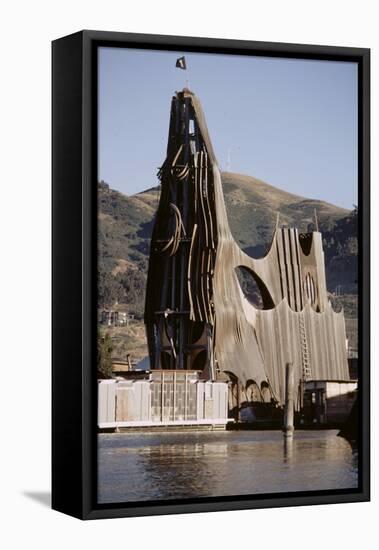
(74,204)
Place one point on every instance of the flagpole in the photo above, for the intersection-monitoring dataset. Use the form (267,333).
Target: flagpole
(187,77)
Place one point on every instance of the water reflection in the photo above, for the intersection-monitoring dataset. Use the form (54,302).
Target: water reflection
(287,450)
(140,466)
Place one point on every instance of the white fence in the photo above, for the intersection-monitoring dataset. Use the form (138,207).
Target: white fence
(162,401)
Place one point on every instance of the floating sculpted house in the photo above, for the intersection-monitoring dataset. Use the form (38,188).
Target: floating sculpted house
(197,315)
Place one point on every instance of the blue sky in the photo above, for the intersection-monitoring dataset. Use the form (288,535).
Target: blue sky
(291,123)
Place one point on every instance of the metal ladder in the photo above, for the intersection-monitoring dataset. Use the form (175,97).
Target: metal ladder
(307,372)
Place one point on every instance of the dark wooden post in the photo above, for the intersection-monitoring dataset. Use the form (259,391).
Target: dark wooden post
(289,406)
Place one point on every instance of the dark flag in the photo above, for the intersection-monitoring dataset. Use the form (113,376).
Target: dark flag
(181,63)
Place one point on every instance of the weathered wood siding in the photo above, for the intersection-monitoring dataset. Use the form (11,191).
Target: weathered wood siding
(297,323)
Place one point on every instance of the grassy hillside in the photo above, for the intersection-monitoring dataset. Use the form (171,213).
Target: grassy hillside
(125,225)
(253,205)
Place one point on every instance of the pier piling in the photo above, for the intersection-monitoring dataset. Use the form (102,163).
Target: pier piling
(289,407)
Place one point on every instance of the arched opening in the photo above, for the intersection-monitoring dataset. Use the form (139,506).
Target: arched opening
(197,329)
(306,240)
(200,361)
(234,395)
(253,393)
(166,360)
(266,393)
(253,288)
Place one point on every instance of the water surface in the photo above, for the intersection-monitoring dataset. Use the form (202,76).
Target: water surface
(149,466)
